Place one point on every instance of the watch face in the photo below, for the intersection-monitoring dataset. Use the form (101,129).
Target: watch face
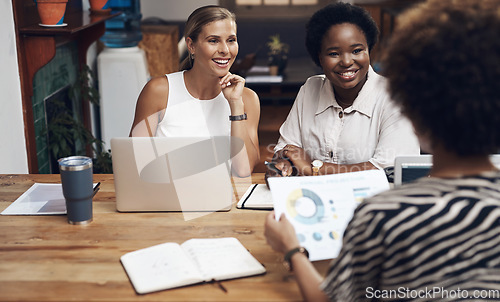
(317,163)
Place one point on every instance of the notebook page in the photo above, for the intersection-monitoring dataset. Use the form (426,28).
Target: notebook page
(222,258)
(159,267)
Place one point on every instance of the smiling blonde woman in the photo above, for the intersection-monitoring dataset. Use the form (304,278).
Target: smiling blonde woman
(204,99)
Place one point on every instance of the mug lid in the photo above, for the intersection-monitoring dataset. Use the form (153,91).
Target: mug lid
(75,163)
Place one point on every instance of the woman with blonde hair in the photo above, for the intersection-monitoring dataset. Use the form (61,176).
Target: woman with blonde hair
(204,99)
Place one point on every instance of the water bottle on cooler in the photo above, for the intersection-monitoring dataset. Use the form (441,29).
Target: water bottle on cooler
(123,30)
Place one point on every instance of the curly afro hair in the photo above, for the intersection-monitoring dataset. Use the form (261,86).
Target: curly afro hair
(443,66)
(338,13)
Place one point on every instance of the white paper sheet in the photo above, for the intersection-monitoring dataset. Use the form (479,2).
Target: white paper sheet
(39,199)
(320,207)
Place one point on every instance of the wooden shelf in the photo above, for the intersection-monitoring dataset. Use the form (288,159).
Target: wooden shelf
(36,46)
(77,22)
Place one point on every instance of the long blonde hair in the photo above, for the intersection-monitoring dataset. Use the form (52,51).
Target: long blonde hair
(199,18)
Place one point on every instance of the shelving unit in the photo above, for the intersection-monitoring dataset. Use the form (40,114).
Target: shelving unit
(36,46)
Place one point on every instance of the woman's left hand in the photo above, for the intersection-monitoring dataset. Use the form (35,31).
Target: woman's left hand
(232,87)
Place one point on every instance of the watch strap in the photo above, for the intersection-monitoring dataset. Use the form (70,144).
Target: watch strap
(241,117)
(315,170)
(290,253)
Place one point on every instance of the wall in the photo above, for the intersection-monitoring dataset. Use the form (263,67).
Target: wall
(13,156)
(172,10)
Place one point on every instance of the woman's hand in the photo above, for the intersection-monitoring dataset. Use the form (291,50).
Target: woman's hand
(232,87)
(299,158)
(280,168)
(280,235)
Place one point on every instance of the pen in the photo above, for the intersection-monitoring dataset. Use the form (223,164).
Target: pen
(272,166)
(96,188)
(220,285)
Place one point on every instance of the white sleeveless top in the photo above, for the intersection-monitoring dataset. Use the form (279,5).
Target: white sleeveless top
(187,116)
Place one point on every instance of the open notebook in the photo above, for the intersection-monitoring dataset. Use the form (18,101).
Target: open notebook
(171,265)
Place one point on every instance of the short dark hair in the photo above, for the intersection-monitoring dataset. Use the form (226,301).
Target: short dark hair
(333,14)
(443,66)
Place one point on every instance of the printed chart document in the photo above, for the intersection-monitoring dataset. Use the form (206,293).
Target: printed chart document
(257,196)
(320,207)
(169,265)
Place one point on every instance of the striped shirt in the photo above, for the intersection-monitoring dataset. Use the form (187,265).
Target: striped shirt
(430,240)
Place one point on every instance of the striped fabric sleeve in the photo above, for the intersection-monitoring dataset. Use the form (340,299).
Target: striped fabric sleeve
(432,237)
(358,264)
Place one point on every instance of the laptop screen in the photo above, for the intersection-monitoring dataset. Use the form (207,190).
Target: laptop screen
(413,171)
(410,168)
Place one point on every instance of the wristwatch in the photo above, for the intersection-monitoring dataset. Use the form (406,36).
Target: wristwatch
(287,261)
(316,165)
(241,117)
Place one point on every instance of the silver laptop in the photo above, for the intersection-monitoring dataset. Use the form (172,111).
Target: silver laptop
(172,174)
(410,168)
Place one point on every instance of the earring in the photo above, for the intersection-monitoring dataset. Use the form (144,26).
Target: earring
(191,56)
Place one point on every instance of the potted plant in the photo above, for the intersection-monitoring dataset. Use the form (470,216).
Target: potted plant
(66,132)
(51,12)
(99,6)
(278,55)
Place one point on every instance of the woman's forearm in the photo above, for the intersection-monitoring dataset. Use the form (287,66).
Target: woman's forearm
(244,151)
(308,278)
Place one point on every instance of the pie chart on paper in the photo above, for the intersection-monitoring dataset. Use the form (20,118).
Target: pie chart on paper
(305,206)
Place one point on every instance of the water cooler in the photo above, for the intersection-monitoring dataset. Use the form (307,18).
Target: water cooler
(122,70)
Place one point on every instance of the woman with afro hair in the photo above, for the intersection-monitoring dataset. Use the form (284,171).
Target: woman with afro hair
(343,120)
(438,238)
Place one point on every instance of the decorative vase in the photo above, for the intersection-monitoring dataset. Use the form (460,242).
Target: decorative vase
(51,12)
(99,6)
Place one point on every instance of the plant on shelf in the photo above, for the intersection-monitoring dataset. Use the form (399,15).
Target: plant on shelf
(51,12)
(67,135)
(278,54)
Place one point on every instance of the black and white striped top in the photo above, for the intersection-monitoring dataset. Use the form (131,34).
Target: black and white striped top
(431,240)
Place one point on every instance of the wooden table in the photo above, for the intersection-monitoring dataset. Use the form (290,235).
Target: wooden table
(43,258)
